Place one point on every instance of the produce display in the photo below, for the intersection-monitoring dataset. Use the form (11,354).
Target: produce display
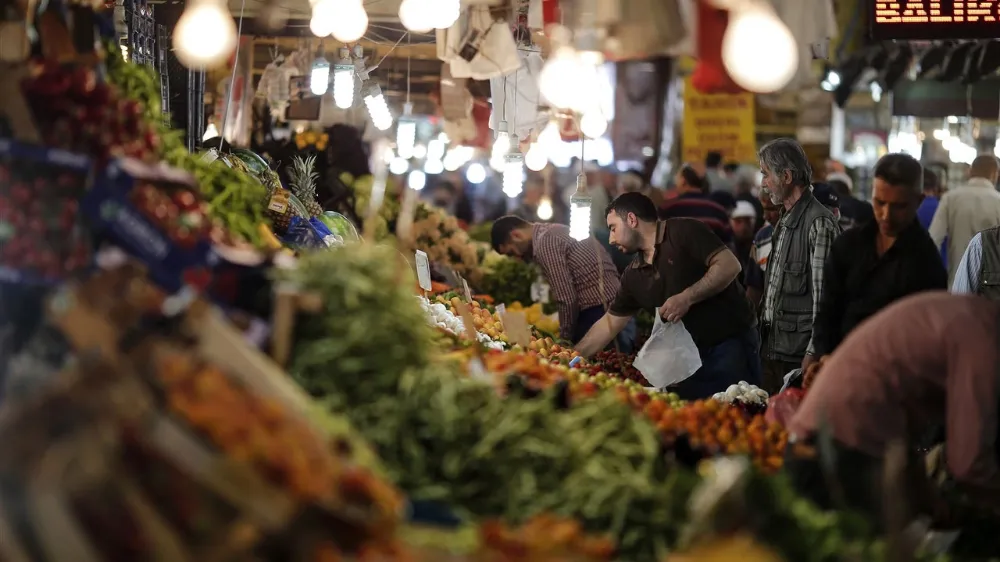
(616,364)
(383,429)
(41,239)
(743,393)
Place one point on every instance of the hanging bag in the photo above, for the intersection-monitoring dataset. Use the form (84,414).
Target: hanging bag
(669,355)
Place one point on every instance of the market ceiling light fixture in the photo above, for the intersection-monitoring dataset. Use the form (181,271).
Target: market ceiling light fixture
(406,132)
(417,15)
(378,110)
(535,159)
(593,124)
(831,79)
(351,22)
(758,50)
(343,80)
(579,209)
(544,210)
(513,171)
(205,34)
(319,78)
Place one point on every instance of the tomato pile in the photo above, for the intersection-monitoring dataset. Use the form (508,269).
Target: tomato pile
(39,234)
(618,365)
(709,427)
(543,536)
(179,214)
(77,112)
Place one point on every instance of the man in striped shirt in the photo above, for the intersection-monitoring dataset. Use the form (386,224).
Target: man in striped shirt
(693,202)
(580,273)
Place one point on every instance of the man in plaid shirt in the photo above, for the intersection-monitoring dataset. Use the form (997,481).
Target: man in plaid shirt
(580,273)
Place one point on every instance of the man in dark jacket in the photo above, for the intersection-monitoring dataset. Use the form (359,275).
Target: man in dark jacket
(794,279)
(880,262)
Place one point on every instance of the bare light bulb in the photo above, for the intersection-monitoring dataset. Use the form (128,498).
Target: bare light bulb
(435,149)
(544,210)
(210,132)
(475,173)
(513,173)
(378,110)
(446,13)
(550,140)
(453,160)
(433,167)
(351,22)
(579,210)
(319,78)
(416,15)
(420,151)
(759,51)
(416,180)
(205,35)
(324,13)
(406,135)
(535,159)
(343,81)
(501,146)
(593,124)
(560,77)
(398,166)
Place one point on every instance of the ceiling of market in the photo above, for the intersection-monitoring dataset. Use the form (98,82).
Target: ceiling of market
(386,42)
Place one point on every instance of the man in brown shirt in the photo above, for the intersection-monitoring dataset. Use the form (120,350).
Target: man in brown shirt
(687,274)
(924,361)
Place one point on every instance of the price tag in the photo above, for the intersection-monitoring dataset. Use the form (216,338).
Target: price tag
(279,201)
(470,326)
(516,326)
(423,270)
(465,287)
(540,291)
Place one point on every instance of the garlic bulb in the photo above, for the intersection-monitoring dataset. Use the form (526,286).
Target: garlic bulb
(742,392)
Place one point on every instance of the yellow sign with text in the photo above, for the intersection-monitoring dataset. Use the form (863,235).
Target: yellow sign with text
(723,123)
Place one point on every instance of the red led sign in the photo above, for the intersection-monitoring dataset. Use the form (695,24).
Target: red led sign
(935,19)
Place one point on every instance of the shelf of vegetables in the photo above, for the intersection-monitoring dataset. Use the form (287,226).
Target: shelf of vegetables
(161,428)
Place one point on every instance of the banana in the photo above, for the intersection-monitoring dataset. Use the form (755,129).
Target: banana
(267,236)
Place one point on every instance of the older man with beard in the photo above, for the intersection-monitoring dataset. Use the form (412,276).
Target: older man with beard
(794,278)
(685,272)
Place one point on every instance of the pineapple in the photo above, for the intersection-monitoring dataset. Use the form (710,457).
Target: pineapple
(302,181)
(280,220)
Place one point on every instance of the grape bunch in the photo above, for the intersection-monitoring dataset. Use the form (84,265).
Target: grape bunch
(618,365)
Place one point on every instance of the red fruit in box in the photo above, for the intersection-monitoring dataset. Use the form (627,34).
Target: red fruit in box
(20,194)
(84,80)
(185,200)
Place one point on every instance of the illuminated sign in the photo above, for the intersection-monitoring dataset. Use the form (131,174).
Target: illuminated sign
(935,19)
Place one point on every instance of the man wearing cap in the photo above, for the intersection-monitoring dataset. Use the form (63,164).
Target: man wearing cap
(853,211)
(880,262)
(742,220)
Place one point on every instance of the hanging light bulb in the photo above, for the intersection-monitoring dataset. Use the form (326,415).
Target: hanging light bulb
(435,149)
(501,145)
(759,52)
(406,132)
(399,166)
(378,110)
(416,16)
(593,124)
(453,160)
(419,151)
(319,78)
(544,210)
(475,173)
(343,80)
(513,171)
(351,22)
(560,79)
(210,132)
(416,180)
(324,13)
(579,210)
(205,35)
(433,166)
(535,159)
(446,13)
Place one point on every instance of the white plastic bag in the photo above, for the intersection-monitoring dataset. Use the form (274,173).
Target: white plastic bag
(669,355)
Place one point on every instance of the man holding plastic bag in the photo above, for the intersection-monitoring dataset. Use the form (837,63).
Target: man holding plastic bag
(704,338)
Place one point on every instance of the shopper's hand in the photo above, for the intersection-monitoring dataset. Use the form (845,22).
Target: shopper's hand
(807,361)
(675,308)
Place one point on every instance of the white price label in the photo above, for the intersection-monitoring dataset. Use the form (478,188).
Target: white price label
(540,291)
(423,270)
